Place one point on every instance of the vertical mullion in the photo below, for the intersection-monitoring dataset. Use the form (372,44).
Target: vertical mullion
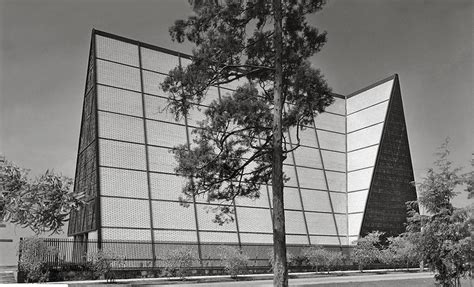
(327,184)
(299,189)
(96,111)
(188,142)
(347,175)
(147,156)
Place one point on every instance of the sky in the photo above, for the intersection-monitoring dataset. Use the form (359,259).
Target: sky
(44,46)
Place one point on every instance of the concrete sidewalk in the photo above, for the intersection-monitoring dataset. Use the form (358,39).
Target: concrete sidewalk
(296,279)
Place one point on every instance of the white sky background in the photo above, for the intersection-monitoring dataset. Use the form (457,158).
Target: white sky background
(44,45)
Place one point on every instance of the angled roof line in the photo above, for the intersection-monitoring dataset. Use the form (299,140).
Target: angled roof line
(179,54)
(139,43)
(372,85)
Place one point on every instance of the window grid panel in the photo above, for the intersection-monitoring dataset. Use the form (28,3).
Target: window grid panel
(218,237)
(291,198)
(355,222)
(161,159)
(206,214)
(119,101)
(369,97)
(289,171)
(315,200)
(356,201)
(332,141)
(360,179)
(137,212)
(254,220)
(338,107)
(334,160)
(330,122)
(339,201)
(262,201)
(365,137)
(319,223)
(294,222)
(125,234)
(362,158)
(158,61)
(120,154)
(169,215)
(307,137)
(367,117)
(308,157)
(175,236)
(126,183)
(118,51)
(166,186)
(289,159)
(117,75)
(256,238)
(336,181)
(121,127)
(297,239)
(152,83)
(311,178)
(164,134)
(324,240)
(341,220)
(156,108)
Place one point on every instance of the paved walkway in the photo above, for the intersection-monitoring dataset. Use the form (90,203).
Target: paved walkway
(302,279)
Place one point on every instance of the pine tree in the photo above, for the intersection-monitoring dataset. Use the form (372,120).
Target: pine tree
(241,144)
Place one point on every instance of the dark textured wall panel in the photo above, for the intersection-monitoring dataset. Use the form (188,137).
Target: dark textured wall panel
(391,184)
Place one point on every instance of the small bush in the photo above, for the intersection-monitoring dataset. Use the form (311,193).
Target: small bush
(34,252)
(320,257)
(297,260)
(234,260)
(177,262)
(102,262)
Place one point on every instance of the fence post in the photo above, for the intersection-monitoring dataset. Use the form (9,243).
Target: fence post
(18,274)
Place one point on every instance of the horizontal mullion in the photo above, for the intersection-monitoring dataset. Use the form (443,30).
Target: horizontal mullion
(366,127)
(368,107)
(361,148)
(358,169)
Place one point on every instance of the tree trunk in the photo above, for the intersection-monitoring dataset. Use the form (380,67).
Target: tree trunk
(279,242)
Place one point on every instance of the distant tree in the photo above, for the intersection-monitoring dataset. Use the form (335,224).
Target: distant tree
(443,235)
(367,249)
(42,204)
(241,143)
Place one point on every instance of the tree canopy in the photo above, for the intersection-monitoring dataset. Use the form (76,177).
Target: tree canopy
(42,204)
(443,235)
(230,154)
(265,47)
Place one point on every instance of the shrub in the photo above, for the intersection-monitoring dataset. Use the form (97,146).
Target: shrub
(297,260)
(234,260)
(367,250)
(177,262)
(102,262)
(320,257)
(34,252)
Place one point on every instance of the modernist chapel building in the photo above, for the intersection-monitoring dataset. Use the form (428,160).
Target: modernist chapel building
(351,174)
